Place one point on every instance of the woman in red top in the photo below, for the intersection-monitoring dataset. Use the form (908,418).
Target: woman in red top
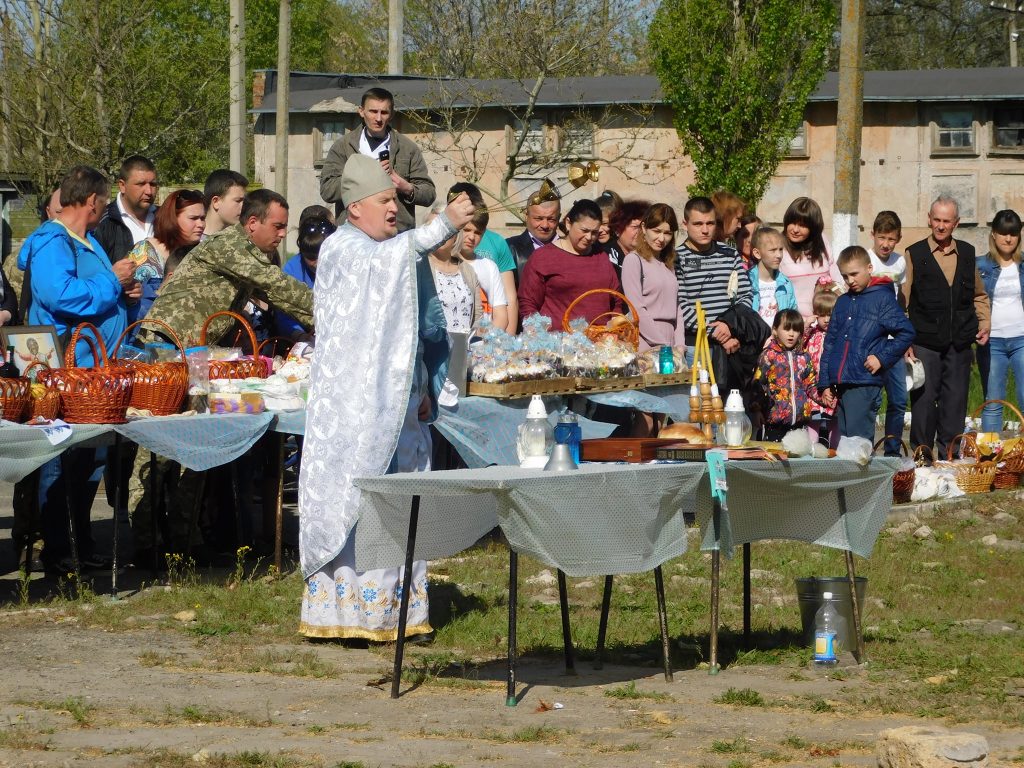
(564,269)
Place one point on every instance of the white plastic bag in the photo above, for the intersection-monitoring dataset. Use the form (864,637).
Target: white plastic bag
(855,449)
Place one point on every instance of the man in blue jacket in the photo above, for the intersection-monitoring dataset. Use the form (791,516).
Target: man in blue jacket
(858,348)
(69,280)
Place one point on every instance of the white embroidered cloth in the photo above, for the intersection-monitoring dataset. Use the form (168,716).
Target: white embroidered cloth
(366,318)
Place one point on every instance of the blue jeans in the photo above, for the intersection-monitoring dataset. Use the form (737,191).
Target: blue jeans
(895,406)
(858,406)
(1003,353)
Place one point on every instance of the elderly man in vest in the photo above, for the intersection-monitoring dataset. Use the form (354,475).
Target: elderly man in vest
(950,311)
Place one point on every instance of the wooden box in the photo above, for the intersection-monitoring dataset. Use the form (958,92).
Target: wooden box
(633,449)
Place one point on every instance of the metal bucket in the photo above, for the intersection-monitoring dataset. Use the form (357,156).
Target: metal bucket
(810,594)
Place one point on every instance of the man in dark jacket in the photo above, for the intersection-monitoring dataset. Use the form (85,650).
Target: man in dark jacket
(128,219)
(868,334)
(542,215)
(950,310)
(399,157)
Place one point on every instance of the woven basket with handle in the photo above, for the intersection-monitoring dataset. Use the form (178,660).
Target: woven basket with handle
(1011,461)
(244,368)
(46,406)
(903,480)
(157,387)
(971,477)
(624,329)
(97,395)
(14,396)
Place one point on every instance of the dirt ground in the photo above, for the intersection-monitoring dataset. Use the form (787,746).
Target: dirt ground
(133,710)
(79,696)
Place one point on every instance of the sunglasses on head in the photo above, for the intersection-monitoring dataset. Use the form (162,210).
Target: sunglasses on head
(319,226)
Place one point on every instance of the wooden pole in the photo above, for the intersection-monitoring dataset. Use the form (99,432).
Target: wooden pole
(281,114)
(849,124)
(238,133)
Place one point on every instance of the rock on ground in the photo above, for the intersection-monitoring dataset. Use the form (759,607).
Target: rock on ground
(916,746)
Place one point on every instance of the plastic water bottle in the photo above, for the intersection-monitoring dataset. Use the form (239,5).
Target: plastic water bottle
(568,432)
(826,633)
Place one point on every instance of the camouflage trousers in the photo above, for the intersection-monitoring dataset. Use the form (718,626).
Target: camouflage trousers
(178,491)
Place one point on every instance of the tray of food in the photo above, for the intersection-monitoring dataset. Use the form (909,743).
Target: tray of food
(562,385)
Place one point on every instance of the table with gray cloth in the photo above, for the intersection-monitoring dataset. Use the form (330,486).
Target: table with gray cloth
(597,520)
(198,442)
(615,518)
(830,502)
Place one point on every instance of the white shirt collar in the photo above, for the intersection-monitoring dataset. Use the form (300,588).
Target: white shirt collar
(139,231)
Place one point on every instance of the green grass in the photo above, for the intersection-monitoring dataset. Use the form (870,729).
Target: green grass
(734,746)
(741,697)
(629,691)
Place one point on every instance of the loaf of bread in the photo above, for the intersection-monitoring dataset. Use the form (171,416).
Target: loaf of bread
(683,431)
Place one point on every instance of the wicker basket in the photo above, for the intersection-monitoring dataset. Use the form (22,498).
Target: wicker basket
(625,331)
(98,395)
(14,396)
(903,480)
(159,388)
(1006,481)
(1011,461)
(974,477)
(45,407)
(235,369)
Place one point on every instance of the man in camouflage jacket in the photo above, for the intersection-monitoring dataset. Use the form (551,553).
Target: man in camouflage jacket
(225,271)
(220,273)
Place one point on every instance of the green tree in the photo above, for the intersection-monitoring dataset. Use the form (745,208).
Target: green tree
(737,75)
(92,81)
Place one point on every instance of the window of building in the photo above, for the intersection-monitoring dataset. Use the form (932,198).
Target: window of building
(796,148)
(1008,128)
(329,132)
(953,131)
(535,144)
(566,134)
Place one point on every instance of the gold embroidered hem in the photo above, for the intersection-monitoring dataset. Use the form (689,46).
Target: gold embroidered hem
(353,633)
(340,602)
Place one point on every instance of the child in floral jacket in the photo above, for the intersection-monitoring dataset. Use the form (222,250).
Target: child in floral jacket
(788,377)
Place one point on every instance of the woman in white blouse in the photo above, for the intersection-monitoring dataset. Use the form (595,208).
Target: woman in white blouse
(1000,270)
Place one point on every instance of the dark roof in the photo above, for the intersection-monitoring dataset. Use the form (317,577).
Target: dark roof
(318,92)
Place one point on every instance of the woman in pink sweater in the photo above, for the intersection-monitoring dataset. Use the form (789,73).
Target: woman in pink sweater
(649,279)
(649,282)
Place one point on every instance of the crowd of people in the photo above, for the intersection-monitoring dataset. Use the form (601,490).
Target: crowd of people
(811,338)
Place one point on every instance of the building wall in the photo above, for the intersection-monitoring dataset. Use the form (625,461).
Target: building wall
(900,170)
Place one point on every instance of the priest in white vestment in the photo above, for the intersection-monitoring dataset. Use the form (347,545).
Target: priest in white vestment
(370,399)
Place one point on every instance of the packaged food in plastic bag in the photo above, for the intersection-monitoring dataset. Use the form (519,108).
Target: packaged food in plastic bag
(854,449)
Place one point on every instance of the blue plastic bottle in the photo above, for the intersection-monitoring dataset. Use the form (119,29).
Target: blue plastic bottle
(568,432)
(666,363)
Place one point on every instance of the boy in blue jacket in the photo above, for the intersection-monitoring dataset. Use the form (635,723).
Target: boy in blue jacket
(868,334)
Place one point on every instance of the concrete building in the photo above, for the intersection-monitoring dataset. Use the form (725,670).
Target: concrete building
(929,132)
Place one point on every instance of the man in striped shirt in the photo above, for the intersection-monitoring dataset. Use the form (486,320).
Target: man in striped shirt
(705,271)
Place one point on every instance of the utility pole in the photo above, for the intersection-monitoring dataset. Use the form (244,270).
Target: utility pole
(1015,8)
(396,33)
(284,68)
(849,123)
(238,137)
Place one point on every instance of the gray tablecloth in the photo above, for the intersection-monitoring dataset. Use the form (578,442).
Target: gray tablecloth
(198,442)
(830,502)
(25,449)
(597,520)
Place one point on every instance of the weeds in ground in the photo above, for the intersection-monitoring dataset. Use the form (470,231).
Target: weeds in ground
(733,746)
(742,697)
(629,691)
